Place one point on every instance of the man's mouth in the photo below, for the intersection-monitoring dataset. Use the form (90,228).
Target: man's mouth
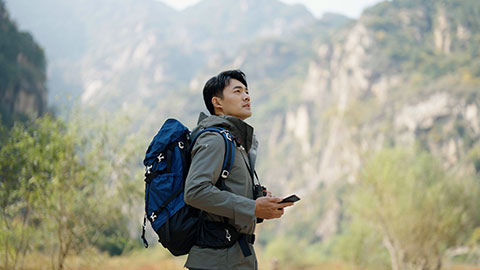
(247,105)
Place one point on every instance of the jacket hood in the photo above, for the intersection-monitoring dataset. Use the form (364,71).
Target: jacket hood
(240,130)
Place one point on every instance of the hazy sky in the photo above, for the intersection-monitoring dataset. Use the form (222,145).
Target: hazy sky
(351,8)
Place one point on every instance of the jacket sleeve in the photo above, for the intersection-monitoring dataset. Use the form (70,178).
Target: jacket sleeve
(200,190)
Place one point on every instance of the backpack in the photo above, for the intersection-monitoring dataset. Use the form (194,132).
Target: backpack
(167,161)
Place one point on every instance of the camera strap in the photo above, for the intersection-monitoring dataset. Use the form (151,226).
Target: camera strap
(253,174)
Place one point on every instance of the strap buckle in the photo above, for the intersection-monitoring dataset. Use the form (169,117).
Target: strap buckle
(225,174)
(147,169)
(181,145)
(228,235)
(227,134)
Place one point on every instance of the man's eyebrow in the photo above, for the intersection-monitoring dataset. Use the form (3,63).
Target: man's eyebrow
(239,86)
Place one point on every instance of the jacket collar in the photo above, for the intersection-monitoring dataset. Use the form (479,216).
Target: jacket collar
(240,130)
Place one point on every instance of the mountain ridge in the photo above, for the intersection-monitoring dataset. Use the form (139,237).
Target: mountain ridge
(362,94)
(325,95)
(22,73)
(176,53)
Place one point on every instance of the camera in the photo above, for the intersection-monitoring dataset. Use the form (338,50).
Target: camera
(259,191)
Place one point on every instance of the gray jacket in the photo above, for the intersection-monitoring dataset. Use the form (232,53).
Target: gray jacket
(236,203)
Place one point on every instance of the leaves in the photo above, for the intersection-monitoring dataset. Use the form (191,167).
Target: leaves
(418,207)
(54,191)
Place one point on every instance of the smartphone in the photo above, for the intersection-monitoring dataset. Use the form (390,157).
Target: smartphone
(291,198)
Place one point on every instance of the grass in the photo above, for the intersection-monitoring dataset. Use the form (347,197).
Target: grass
(157,258)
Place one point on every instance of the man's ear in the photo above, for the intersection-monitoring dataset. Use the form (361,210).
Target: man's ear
(216,102)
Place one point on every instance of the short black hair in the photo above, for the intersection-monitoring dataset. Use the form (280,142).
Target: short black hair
(214,87)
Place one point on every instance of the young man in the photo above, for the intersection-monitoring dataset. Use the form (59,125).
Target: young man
(227,99)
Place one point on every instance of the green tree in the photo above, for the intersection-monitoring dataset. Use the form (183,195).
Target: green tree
(23,170)
(44,187)
(418,208)
(60,190)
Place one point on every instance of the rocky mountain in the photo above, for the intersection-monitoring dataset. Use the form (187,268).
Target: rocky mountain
(22,73)
(119,53)
(141,57)
(405,73)
(327,93)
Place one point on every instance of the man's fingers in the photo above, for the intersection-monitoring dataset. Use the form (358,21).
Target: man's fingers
(287,204)
(280,212)
(275,199)
(277,213)
(270,207)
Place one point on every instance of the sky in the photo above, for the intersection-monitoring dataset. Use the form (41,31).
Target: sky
(351,8)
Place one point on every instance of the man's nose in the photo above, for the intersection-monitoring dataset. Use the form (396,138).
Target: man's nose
(246,97)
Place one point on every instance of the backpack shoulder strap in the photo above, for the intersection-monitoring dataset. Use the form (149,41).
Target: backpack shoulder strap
(229,157)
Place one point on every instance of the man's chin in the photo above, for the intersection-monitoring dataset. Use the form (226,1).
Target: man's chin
(246,115)
(243,114)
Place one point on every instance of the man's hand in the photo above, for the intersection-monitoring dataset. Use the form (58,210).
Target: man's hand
(270,207)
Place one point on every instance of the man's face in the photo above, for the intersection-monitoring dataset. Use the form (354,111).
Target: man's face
(235,101)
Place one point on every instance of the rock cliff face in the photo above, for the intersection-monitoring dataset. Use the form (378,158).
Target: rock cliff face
(359,97)
(326,93)
(22,80)
(125,52)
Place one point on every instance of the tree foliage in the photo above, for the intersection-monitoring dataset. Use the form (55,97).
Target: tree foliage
(418,208)
(54,195)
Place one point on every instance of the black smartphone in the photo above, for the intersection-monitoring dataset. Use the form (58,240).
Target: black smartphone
(291,198)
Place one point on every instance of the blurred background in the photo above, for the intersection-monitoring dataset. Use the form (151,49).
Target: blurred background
(367,110)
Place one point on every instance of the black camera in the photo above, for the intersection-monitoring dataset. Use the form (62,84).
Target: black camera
(259,191)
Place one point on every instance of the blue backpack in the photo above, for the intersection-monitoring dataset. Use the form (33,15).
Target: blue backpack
(167,162)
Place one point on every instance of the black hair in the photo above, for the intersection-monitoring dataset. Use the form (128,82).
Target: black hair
(214,87)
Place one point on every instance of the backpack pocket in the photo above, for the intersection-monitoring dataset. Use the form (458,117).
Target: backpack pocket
(216,235)
(179,233)
(164,198)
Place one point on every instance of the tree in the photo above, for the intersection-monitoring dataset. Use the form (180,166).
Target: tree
(22,172)
(54,193)
(419,209)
